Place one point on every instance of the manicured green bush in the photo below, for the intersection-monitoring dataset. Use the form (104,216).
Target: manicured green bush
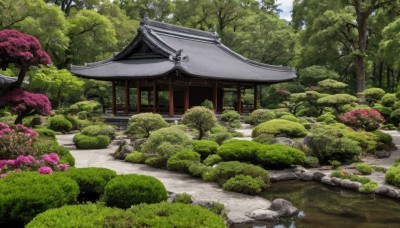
(245,184)
(207,104)
(280,128)
(47,146)
(23,195)
(84,215)
(290,118)
(74,121)
(368,187)
(200,118)
(91,181)
(88,142)
(198,169)
(124,191)
(327,118)
(395,117)
(392,176)
(205,147)
(230,116)
(226,170)
(157,162)
(83,115)
(144,123)
(278,156)
(238,150)
(364,169)
(264,138)
(388,100)
(183,198)
(46,133)
(220,137)
(91,107)
(136,157)
(259,116)
(182,160)
(171,215)
(335,164)
(167,141)
(311,162)
(96,130)
(60,123)
(373,95)
(212,160)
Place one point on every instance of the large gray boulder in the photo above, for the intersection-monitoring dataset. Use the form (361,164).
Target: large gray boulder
(283,207)
(123,150)
(307,176)
(318,176)
(283,141)
(385,191)
(327,180)
(283,177)
(350,184)
(237,218)
(264,215)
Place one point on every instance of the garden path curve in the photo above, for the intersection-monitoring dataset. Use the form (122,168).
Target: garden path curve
(174,182)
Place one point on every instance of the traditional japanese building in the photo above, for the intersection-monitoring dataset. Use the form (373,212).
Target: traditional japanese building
(189,65)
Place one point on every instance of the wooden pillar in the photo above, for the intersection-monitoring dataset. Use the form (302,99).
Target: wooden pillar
(239,99)
(186,98)
(114,99)
(255,103)
(127,103)
(171,111)
(215,96)
(155,96)
(138,96)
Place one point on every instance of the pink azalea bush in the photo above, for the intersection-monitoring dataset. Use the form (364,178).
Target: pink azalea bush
(367,119)
(16,140)
(46,165)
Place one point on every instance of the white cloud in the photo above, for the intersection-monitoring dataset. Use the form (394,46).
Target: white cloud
(286,6)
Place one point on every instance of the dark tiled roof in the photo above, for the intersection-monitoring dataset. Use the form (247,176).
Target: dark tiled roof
(5,81)
(202,55)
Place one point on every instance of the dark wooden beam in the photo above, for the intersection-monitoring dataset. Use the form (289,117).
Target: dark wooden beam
(138,96)
(171,110)
(127,103)
(239,99)
(114,99)
(187,92)
(255,103)
(155,96)
(215,96)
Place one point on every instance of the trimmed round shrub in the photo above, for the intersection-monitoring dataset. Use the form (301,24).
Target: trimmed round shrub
(280,128)
(85,215)
(373,95)
(205,147)
(260,116)
(181,161)
(198,169)
(226,170)
(74,121)
(91,107)
(395,117)
(167,141)
(60,123)
(230,115)
(144,123)
(290,118)
(364,169)
(136,157)
(385,141)
(83,115)
(47,146)
(212,160)
(245,184)
(200,118)
(124,191)
(392,176)
(238,150)
(91,181)
(46,133)
(366,119)
(327,118)
(23,195)
(279,156)
(388,100)
(311,162)
(96,130)
(175,215)
(87,142)
(157,162)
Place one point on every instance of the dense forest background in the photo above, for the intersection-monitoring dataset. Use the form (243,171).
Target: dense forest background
(353,41)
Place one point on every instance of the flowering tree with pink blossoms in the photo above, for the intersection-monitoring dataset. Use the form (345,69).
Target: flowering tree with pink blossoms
(23,51)
(23,104)
(16,140)
(366,119)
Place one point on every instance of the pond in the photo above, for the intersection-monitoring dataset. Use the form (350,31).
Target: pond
(326,206)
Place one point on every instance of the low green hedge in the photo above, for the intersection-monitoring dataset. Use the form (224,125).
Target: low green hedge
(180,161)
(85,215)
(136,157)
(157,162)
(280,128)
(198,169)
(46,133)
(230,116)
(205,147)
(392,176)
(260,116)
(88,142)
(47,146)
(171,215)
(95,130)
(289,118)
(91,181)
(238,150)
(60,123)
(124,191)
(212,160)
(245,184)
(23,195)
(278,156)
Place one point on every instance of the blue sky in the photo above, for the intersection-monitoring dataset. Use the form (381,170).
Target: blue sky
(286,6)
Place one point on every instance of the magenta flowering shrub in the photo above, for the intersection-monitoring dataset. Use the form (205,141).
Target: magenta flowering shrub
(23,104)
(16,140)
(46,165)
(367,119)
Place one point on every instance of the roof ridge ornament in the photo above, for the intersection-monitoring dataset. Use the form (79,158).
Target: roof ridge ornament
(145,19)
(177,57)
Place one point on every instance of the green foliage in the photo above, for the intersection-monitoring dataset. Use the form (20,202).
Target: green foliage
(327,118)
(278,156)
(84,215)
(96,130)
(23,195)
(144,123)
(212,160)
(289,118)
(183,198)
(238,150)
(335,164)
(220,136)
(395,117)
(124,191)
(373,95)
(60,123)
(368,187)
(392,175)
(245,184)
(74,121)
(198,169)
(88,142)
(90,107)
(200,118)
(311,162)
(208,104)
(230,116)
(226,170)
(336,101)
(91,181)
(259,116)
(364,169)
(181,161)
(264,138)
(167,141)
(83,115)
(47,146)
(331,86)
(46,133)
(388,100)
(385,141)
(156,162)
(175,215)
(136,157)
(310,76)
(205,147)
(280,128)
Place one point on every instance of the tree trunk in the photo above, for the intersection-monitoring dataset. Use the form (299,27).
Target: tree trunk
(380,74)
(21,77)
(362,45)
(19,119)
